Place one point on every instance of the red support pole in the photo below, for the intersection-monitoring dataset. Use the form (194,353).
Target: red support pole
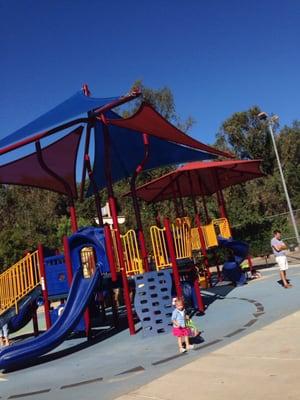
(203,245)
(222,210)
(172,253)
(198,295)
(223,205)
(110,252)
(68,260)
(74,225)
(44,285)
(144,251)
(136,206)
(113,211)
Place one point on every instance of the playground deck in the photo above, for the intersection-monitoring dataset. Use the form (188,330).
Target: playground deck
(117,364)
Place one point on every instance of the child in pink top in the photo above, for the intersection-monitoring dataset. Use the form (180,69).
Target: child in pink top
(180,329)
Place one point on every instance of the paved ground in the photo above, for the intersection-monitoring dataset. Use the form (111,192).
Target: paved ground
(263,365)
(250,350)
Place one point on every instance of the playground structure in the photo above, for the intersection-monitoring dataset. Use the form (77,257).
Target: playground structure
(93,255)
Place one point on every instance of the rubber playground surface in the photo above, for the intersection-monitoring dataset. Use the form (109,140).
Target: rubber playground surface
(116,363)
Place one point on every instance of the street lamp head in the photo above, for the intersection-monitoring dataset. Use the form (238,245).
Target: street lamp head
(262,116)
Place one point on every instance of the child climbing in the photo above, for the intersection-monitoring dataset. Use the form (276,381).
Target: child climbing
(180,330)
(4,341)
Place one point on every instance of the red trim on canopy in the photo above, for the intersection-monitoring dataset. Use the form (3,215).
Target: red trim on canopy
(148,120)
(59,157)
(212,175)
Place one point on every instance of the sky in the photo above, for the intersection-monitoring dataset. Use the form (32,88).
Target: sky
(218,57)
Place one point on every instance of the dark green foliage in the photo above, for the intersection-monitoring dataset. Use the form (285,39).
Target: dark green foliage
(250,205)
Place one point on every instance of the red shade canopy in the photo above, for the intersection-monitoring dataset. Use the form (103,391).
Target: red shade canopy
(149,121)
(59,159)
(199,178)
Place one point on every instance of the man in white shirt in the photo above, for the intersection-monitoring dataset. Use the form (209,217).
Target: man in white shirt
(278,247)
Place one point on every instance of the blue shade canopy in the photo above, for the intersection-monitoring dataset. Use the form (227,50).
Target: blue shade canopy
(127,151)
(72,107)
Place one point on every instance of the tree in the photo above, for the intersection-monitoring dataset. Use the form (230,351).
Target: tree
(246,136)
(252,204)
(162,100)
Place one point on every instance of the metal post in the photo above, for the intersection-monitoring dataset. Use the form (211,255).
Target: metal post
(68,260)
(270,122)
(110,253)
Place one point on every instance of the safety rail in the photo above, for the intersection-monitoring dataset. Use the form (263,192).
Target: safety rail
(222,225)
(132,259)
(159,247)
(182,220)
(19,280)
(181,231)
(186,239)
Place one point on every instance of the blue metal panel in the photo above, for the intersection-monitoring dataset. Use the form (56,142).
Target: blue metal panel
(153,301)
(56,276)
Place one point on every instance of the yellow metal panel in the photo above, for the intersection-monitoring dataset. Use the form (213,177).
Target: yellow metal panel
(132,258)
(222,225)
(210,236)
(159,248)
(181,231)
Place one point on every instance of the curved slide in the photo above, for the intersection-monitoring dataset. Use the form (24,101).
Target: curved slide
(26,308)
(78,299)
(231,269)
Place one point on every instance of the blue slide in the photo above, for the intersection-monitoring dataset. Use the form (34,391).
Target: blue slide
(26,307)
(78,299)
(232,269)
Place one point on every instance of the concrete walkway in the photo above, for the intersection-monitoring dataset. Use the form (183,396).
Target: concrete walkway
(262,365)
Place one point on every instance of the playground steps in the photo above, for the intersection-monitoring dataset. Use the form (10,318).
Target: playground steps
(18,281)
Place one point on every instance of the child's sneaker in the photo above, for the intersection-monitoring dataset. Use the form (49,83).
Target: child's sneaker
(191,347)
(182,350)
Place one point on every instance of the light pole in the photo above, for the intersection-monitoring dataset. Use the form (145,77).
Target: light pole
(270,121)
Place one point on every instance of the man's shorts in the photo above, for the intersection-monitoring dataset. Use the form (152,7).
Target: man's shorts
(282,262)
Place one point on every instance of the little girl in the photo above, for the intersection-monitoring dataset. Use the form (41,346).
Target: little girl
(179,326)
